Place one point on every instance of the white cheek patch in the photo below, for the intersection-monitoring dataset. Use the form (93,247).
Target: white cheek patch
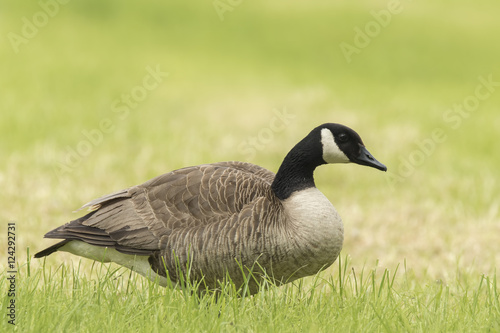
(331,151)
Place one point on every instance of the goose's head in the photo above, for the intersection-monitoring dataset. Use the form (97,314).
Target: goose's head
(340,144)
(328,143)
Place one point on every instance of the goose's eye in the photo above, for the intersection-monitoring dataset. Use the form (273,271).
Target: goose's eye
(343,137)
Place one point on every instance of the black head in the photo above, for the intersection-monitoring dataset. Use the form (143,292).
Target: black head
(343,145)
(328,143)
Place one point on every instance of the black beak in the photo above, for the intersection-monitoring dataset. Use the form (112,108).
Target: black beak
(365,158)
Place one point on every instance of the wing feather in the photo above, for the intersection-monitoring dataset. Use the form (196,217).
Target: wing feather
(135,220)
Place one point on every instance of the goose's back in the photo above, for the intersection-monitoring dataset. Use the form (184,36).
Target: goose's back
(140,216)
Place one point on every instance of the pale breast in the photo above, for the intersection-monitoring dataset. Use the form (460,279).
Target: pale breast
(317,229)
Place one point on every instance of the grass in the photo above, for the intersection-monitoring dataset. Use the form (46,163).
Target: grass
(226,80)
(370,300)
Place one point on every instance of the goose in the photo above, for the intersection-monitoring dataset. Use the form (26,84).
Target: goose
(228,219)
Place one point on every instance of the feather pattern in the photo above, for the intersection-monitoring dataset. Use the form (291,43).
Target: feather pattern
(222,219)
(217,217)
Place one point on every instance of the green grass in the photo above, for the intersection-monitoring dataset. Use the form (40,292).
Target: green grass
(371,300)
(225,79)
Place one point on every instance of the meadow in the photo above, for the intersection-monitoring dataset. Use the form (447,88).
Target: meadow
(97,96)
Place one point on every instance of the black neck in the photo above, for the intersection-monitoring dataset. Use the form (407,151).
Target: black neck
(296,171)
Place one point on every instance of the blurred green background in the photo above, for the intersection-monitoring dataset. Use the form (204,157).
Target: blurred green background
(233,67)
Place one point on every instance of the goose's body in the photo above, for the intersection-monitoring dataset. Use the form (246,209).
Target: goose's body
(222,219)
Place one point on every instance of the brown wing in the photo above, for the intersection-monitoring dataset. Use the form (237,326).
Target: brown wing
(134,220)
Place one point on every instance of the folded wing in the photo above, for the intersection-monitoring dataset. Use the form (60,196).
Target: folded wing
(134,220)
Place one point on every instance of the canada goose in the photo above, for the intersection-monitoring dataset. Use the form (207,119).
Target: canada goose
(222,217)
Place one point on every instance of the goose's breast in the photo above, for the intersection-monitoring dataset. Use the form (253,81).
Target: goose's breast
(315,229)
